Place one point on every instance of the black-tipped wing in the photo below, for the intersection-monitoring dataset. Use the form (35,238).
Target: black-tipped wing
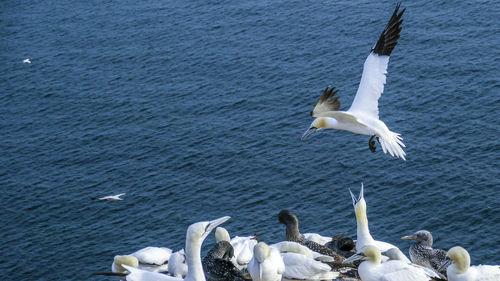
(327,102)
(389,37)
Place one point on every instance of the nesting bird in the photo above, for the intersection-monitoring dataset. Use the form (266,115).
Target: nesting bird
(372,268)
(422,253)
(291,222)
(459,268)
(363,115)
(218,266)
(266,264)
(195,236)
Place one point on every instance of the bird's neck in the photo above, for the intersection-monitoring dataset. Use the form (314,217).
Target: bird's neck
(363,232)
(193,260)
(292,232)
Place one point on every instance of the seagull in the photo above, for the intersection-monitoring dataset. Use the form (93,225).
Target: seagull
(372,269)
(242,245)
(195,235)
(459,268)
(26,61)
(364,237)
(396,254)
(110,198)
(266,264)
(362,117)
(422,253)
(217,264)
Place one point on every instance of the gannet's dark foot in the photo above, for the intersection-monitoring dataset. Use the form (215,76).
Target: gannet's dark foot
(371,144)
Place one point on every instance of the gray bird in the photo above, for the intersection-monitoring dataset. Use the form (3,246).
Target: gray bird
(422,253)
(217,264)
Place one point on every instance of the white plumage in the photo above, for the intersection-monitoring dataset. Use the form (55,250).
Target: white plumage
(242,245)
(362,117)
(266,264)
(461,270)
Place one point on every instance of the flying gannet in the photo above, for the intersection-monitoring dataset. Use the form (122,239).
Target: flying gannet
(363,115)
(372,269)
(195,235)
(364,237)
(110,198)
(459,268)
(26,61)
(422,253)
(266,264)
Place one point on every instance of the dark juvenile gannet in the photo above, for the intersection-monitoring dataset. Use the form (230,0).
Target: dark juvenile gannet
(396,254)
(422,253)
(461,270)
(291,222)
(342,245)
(217,264)
(362,117)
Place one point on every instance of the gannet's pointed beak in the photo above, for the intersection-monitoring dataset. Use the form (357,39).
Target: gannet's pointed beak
(354,200)
(355,257)
(409,237)
(361,193)
(213,224)
(308,132)
(445,263)
(260,271)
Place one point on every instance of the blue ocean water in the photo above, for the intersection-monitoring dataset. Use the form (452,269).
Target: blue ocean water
(196,108)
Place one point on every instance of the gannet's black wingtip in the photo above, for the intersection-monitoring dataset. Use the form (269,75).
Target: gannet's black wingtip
(389,37)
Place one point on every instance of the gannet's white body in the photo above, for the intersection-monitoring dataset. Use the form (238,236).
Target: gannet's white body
(396,254)
(461,270)
(149,258)
(372,269)
(266,264)
(364,237)
(242,245)
(362,117)
(195,235)
(177,265)
(320,239)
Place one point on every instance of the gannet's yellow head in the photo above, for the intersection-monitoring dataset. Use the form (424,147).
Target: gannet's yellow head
(261,251)
(460,258)
(319,123)
(197,232)
(370,253)
(125,260)
(221,234)
(359,203)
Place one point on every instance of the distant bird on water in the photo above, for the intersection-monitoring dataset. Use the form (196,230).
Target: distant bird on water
(422,253)
(110,198)
(461,270)
(26,61)
(362,117)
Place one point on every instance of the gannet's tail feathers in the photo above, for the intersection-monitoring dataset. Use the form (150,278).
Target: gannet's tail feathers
(392,143)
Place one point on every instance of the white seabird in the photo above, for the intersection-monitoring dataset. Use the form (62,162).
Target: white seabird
(461,270)
(110,198)
(195,235)
(266,264)
(177,265)
(396,254)
(301,263)
(362,117)
(26,61)
(242,245)
(364,237)
(372,269)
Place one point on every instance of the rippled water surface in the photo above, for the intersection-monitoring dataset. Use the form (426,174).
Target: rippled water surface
(196,108)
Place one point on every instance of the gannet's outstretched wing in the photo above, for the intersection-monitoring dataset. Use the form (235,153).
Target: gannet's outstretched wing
(327,102)
(373,79)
